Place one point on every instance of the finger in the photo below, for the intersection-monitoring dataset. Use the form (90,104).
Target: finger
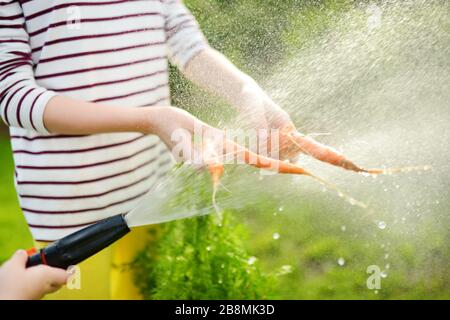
(49,275)
(52,288)
(55,277)
(19,259)
(278,118)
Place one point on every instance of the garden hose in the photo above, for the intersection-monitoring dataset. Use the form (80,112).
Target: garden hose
(82,244)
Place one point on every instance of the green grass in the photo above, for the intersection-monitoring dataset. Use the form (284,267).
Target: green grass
(14,233)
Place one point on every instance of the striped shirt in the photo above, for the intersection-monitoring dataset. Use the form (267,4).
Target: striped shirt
(109,51)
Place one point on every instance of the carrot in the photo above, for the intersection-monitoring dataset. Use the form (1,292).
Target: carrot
(284,167)
(309,146)
(329,155)
(300,143)
(263,162)
(216,169)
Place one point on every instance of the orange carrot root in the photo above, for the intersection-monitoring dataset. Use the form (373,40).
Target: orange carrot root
(305,145)
(329,155)
(397,170)
(262,162)
(216,170)
(322,152)
(283,167)
(302,144)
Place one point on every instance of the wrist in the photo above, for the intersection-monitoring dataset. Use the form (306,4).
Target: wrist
(151,120)
(253,98)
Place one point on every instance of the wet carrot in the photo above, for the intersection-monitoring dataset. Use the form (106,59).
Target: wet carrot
(216,169)
(327,154)
(263,162)
(294,142)
(284,167)
(303,144)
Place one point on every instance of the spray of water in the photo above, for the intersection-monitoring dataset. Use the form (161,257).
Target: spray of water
(378,83)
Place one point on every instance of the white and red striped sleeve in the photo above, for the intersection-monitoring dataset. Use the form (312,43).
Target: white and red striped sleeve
(22,101)
(184,37)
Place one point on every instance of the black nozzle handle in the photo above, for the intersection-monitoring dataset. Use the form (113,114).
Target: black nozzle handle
(82,244)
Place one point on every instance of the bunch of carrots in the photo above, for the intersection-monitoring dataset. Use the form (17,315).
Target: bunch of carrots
(292,143)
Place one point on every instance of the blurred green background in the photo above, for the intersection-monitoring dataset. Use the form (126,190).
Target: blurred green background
(327,244)
(14,233)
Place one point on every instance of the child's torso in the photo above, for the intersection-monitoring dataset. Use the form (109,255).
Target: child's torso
(111,52)
(107,51)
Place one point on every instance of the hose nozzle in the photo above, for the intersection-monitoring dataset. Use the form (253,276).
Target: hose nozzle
(82,244)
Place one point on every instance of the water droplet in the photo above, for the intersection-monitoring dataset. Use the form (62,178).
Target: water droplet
(437,202)
(285,269)
(383,274)
(341,261)
(275,213)
(276,236)
(340,194)
(397,186)
(376,291)
(281,208)
(343,228)
(251,260)
(222,266)
(386,256)
(381,225)
(220,281)
(208,248)
(385,190)
(387,266)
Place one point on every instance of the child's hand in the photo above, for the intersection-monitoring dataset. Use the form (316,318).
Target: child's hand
(180,131)
(20,283)
(214,72)
(260,112)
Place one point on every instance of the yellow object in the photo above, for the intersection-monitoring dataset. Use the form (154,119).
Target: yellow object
(105,276)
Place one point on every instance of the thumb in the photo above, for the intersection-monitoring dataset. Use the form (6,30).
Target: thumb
(19,259)
(56,276)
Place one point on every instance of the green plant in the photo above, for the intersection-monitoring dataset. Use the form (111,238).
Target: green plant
(198,259)
(202,257)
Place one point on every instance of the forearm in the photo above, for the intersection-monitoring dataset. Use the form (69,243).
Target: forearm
(214,72)
(65,115)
